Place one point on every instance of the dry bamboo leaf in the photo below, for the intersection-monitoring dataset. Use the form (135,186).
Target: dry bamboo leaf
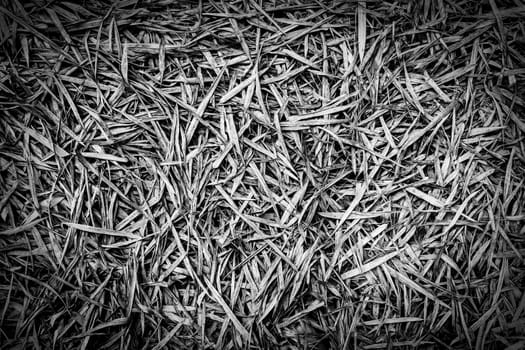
(238,325)
(369,266)
(243,85)
(361,29)
(22,228)
(46,142)
(101,231)
(415,286)
(104,156)
(426,197)
(124,63)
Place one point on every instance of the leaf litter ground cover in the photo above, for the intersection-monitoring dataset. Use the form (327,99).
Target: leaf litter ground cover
(248,174)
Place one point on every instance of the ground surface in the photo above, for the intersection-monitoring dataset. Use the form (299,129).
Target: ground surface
(278,174)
